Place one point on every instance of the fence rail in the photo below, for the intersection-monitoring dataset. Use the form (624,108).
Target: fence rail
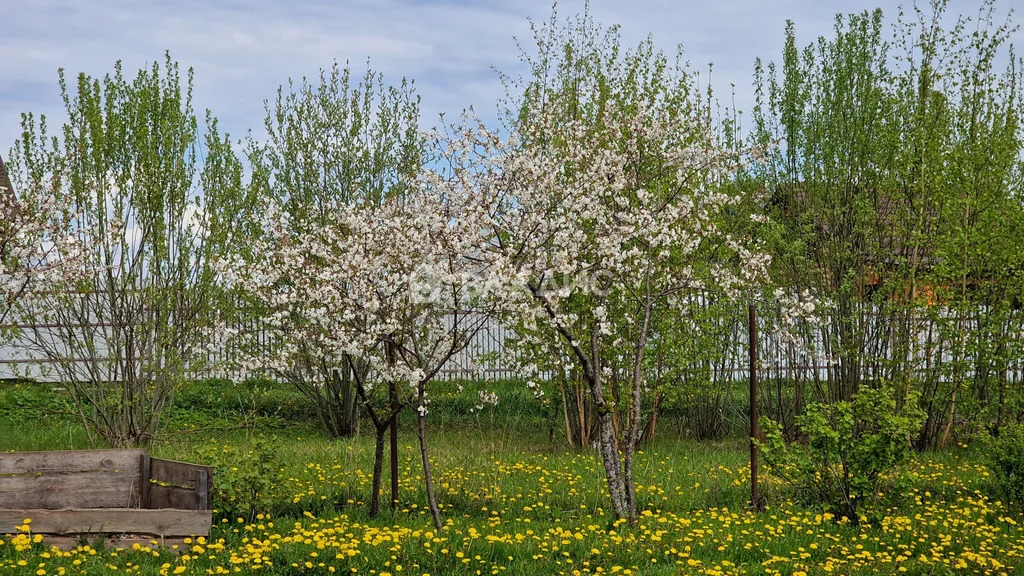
(488,356)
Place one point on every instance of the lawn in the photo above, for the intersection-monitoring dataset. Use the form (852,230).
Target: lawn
(514,501)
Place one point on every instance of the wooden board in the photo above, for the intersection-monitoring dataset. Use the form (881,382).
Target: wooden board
(145,463)
(167,523)
(177,473)
(70,461)
(172,497)
(104,489)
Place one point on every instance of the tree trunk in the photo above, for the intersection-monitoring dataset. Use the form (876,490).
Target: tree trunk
(652,420)
(582,416)
(948,428)
(428,481)
(609,447)
(591,364)
(634,416)
(627,482)
(349,412)
(393,401)
(565,414)
(378,471)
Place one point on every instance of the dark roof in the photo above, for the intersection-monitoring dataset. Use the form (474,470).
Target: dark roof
(5,181)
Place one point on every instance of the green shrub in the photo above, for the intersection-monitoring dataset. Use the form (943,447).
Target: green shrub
(849,447)
(1004,454)
(245,478)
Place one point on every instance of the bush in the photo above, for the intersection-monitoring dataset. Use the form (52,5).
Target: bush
(848,448)
(245,477)
(1004,454)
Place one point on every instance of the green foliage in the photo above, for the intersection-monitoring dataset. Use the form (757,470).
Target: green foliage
(336,139)
(893,173)
(31,402)
(214,404)
(693,359)
(1004,454)
(850,447)
(246,478)
(43,409)
(149,218)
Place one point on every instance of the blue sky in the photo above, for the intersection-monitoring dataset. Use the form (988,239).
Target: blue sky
(242,50)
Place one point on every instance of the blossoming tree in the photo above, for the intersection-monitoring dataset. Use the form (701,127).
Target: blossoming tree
(334,146)
(602,209)
(393,285)
(332,142)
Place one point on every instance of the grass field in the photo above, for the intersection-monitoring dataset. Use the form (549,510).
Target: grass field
(514,501)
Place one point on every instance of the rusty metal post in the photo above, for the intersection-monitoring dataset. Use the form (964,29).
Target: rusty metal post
(394,459)
(755,499)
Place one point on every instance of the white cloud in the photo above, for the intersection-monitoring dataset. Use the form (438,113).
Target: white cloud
(242,50)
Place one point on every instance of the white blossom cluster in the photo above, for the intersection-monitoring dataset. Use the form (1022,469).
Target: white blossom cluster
(486,399)
(583,236)
(393,284)
(569,241)
(797,310)
(37,253)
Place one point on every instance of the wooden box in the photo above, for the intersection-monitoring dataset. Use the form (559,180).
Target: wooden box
(109,492)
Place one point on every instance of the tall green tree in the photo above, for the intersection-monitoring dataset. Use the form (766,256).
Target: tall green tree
(896,184)
(124,325)
(829,175)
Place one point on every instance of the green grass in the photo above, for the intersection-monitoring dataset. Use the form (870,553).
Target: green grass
(515,502)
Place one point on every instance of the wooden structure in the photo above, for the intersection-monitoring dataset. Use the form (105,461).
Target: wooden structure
(109,492)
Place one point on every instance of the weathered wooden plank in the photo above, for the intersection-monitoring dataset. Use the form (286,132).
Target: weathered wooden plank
(145,463)
(202,490)
(70,461)
(178,473)
(172,497)
(81,490)
(167,523)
